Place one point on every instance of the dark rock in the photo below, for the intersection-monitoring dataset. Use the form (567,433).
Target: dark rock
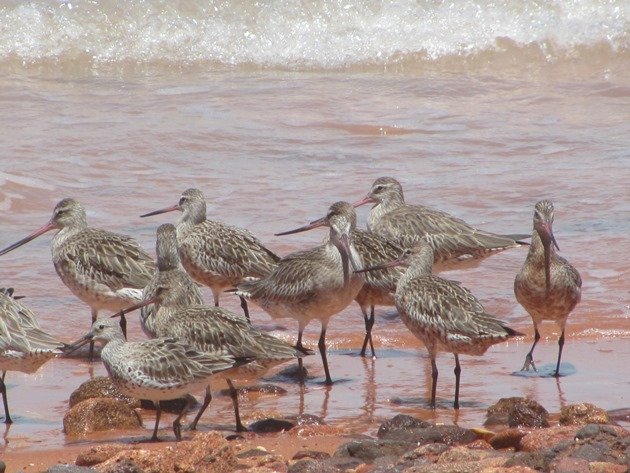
(368,450)
(292,372)
(312,454)
(174,406)
(93,415)
(312,466)
(308,419)
(100,386)
(535,460)
(409,429)
(68,469)
(517,412)
(398,425)
(584,413)
(588,431)
(595,452)
(271,425)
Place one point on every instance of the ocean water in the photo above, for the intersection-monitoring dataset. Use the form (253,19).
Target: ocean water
(277,109)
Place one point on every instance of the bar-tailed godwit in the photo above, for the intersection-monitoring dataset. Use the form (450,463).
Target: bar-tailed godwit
(444,315)
(215,254)
(159,369)
(380,285)
(313,284)
(547,286)
(105,270)
(407,225)
(24,346)
(179,313)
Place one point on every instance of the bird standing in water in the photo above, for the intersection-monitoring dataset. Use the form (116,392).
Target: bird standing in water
(547,286)
(105,270)
(408,225)
(444,315)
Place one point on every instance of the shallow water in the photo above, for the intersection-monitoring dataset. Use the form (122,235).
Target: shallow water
(482,138)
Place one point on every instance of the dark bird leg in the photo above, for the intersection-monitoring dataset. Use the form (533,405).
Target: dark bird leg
(529,359)
(206,401)
(434,377)
(234,395)
(369,323)
(299,346)
(245,309)
(5,401)
(94,317)
(177,426)
(322,351)
(158,414)
(560,345)
(457,371)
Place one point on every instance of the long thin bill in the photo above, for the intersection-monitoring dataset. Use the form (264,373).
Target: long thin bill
(137,306)
(49,226)
(366,200)
(317,223)
(161,211)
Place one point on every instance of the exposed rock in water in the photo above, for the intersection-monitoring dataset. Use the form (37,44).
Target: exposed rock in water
(517,412)
(99,414)
(100,386)
(584,413)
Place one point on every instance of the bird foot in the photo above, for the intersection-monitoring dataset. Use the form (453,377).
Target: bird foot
(529,362)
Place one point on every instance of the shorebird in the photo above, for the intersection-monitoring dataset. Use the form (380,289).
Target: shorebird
(158,369)
(169,271)
(313,284)
(105,270)
(215,254)
(547,286)
(380,285)
(179,313)
(444,315)
(24,346)
(406,225)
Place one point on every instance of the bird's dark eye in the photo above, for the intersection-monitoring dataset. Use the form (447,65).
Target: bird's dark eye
(101,326)
(378,189)
(183,200)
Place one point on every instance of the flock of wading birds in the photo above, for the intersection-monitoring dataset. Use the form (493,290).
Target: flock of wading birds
(190,342)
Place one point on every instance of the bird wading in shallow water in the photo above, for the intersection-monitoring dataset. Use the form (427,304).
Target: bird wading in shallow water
(408,225)
(213,253)
(444,315)
(24,346)
(159,369)
(105,270)
(313,284)
(547,286)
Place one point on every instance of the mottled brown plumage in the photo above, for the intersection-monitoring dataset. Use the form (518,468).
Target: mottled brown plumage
(380,284)
(314,284)
(105,270)
(179,312)
(169,272)
(444,315)
(24,346)
(547,286)
(158,369)
(215,254)
(407,225)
